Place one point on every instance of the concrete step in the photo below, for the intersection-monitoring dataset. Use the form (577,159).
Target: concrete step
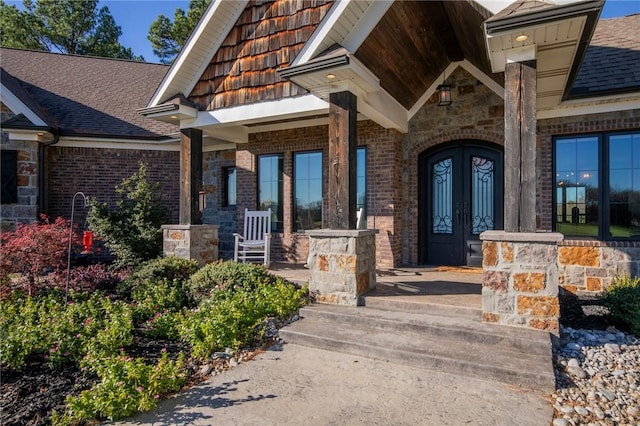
(396,304)
(428,342)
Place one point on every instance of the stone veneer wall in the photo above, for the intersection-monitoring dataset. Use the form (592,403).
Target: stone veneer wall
(587,267)
(476,113)
(26,209)
(216,213)
(383,185)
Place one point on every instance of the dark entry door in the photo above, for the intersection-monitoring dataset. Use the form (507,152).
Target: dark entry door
(461,196)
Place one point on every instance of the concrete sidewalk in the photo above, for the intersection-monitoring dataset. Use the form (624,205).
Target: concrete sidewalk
(295,385)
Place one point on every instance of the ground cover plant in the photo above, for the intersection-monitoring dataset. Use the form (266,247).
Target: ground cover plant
(110,351)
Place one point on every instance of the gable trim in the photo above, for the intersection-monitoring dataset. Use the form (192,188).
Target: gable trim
(18,107)
(467,66)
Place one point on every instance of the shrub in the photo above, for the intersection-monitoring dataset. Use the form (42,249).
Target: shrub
(157,295)
(33,251)
(233,320)
(225,277)
(131,230)
(623,300)
(170,268)
(126,385)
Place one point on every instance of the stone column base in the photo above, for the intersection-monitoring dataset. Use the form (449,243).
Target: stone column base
(342,264)
(199,242)
(520,279)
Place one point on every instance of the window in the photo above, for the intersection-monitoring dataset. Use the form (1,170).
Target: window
(597,185)
(361,184)
(228,186)
(270,188)
(307,170)
(9,169)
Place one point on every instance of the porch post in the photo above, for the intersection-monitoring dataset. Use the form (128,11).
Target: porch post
(342,160)
(190,176)
(520,147)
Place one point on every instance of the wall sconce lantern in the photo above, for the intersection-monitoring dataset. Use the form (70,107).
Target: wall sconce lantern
(444,95)
(444,92)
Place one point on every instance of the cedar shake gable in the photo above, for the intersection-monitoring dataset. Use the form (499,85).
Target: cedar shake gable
(87,96)
(266,37)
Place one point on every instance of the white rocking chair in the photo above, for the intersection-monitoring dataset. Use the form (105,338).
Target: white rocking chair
(255,244)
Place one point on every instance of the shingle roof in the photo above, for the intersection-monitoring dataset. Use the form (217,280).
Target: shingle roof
(87,96)
(612,61)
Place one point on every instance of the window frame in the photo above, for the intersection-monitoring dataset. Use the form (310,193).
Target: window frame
(9,176)
(226,186)
(604,194)
(294,215)
(277,217)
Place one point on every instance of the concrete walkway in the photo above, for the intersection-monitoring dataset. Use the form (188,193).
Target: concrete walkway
(295,385)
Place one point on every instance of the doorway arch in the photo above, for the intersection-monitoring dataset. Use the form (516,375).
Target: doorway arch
(460,195)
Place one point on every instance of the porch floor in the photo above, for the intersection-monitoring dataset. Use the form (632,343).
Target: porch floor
(459,286)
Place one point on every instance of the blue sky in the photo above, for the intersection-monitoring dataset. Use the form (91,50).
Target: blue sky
(135,18)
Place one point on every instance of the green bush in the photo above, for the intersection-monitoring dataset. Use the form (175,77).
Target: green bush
(233,321)
(126,386)
(60,333)
(170,268)
(158,295)
(131,229)
(623,300)
(221,278)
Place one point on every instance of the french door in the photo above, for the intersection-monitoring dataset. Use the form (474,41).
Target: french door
(461,192)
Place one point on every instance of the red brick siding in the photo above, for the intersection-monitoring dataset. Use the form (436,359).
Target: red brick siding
(383,161)
(97,171)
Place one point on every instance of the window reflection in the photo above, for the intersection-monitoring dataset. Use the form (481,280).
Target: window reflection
(624,185)
(270,187)
(307,170)
(576,177)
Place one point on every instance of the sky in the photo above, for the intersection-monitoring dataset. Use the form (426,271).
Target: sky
(135,18)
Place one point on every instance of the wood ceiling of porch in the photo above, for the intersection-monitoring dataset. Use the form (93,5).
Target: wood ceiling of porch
(415,41)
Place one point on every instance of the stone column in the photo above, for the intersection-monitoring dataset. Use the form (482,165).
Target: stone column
(520,279)
(342,264)
(199,242)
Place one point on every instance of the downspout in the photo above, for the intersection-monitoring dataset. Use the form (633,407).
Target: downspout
(41,171)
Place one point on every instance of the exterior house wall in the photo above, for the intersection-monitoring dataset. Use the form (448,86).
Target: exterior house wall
(383,185)
(215,212)
(585,266)
(476,113)
(97,171)
(26,209)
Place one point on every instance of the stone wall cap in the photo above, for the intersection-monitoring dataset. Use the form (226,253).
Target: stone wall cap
(328,233)
(522,237)
(188,227)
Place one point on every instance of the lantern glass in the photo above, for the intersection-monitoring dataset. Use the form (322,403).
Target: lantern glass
(444,95)
(202,200)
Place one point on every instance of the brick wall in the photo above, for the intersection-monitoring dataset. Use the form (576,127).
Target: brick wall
(97,171)
(476,113)
(216,213)
(383,185)
(547,129)
(26,209)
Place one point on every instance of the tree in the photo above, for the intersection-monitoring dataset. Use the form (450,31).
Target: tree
(168,38)
(131,230)
(66,26)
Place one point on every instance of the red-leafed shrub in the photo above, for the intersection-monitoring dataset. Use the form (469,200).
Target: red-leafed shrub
(33,251)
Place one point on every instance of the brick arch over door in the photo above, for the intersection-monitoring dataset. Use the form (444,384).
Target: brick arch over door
(412,154)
